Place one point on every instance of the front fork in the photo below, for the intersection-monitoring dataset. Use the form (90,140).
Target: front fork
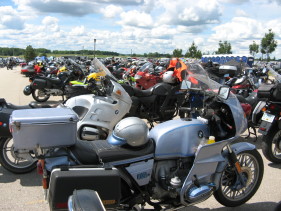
(236,165)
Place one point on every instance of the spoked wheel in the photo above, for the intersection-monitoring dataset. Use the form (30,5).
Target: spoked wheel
(40,95)
(231,192)
(14,162)
(271,146)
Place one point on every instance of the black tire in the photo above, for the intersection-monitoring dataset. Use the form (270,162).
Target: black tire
(39,95)
(271,145)
(252,168)
(13,162)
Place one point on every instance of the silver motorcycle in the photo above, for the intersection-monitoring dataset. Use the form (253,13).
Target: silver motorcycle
(178,163)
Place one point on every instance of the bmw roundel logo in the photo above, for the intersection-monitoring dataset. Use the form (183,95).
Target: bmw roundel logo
(117,112)
(200,134)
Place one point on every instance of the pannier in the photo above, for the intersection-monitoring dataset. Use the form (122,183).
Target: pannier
(43,127)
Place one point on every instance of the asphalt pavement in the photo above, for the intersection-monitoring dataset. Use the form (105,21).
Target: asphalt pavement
(22,192)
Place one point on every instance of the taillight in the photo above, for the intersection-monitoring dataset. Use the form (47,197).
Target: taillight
(1,123)
(272,106)
(62,205)
(262,128)
(40,167)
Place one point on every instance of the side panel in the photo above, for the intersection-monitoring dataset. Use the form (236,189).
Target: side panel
(141,171)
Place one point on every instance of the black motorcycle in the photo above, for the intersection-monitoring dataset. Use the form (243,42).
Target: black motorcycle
(156,104)
(9,159)
(270,126)
(42,87)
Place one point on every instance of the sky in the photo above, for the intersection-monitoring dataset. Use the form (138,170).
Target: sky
(139,26)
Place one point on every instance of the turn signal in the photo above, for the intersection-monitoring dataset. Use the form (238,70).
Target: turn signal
(263,109)
(118,92)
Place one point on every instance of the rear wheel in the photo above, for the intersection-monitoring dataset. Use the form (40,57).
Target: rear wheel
(231,192)
(14,162)
(40,95)
(271,145)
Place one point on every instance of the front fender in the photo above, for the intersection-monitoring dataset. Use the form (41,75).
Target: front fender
(237,148)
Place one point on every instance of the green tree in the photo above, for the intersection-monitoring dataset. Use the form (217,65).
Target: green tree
(268,44)
(177,53)
(224,48)
(254,49)
(193,52)
(29,54)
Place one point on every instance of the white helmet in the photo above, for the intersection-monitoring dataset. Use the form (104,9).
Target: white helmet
(131,130)
(168,77)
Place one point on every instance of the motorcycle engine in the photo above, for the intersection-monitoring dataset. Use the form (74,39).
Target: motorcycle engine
(169,176)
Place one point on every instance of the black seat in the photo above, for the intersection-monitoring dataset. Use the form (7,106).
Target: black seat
(17,107)
(94,152)
(143,93)
(132,91)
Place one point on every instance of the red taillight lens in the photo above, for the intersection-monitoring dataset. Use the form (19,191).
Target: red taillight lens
(61,205)
(1,123)
(272,107)
(40,167)
(262,128)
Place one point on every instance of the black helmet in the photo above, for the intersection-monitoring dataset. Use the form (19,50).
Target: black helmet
(27,90)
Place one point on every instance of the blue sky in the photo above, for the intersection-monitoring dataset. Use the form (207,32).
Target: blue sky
(142,26)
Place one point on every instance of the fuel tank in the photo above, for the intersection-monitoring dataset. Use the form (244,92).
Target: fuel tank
(178,138)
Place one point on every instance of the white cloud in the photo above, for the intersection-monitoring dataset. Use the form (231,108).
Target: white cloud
(111,11)
(10,19)
(188,12)
(51,24)
(136,18)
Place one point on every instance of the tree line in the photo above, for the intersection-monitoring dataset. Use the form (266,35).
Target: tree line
(267,46)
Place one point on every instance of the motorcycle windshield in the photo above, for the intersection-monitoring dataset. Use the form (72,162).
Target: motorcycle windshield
(274,74)
(100,70)
(146,67)
(197,78)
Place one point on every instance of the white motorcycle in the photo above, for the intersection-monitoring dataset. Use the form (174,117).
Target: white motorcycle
(98,113)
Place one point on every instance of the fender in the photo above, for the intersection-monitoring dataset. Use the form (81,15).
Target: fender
(237,148)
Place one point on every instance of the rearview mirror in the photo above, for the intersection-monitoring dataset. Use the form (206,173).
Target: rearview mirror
(224,92)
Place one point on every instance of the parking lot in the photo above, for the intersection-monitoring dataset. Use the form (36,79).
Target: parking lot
(24,192)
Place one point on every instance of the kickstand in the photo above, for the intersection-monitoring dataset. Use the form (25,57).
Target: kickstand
(253,133)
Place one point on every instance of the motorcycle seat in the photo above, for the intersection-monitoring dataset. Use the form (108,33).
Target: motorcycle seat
(17,107)
(132,91)
(95,152)
(142,93)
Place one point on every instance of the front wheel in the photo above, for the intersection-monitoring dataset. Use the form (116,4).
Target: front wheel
(14,162)
(231,192)
(271,145)
(40,95)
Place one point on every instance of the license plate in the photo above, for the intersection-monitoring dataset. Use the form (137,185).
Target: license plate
(267,117)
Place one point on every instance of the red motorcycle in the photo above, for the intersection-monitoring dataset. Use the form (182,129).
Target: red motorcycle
(147,76)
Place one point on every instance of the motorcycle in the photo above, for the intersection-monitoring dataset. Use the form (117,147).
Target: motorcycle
(147,77)
(42,87)
(175,163)
(10,160)
(270,126)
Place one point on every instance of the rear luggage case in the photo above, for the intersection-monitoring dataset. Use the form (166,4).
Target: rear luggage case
(228,69)
(44,127)
(106,182)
